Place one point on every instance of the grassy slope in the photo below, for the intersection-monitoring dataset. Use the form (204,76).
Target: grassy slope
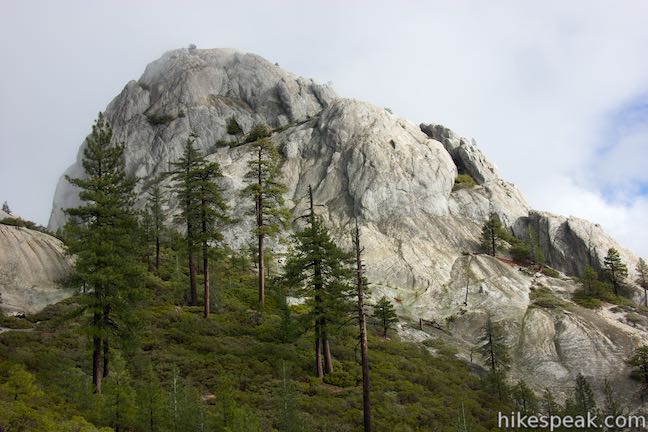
(235,371)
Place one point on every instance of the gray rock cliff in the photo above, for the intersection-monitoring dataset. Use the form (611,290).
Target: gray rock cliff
(397,179)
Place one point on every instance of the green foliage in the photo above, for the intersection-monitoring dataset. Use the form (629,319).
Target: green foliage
(102,233)
(593,290)
(20,222)
(615,270)
(118,404)
(5,207)
(159,119)
(548,271)
(639,361)
(524,399)
(544,298)
(385,314)
(642,278)
(464,181)
(257,132)
(233,128)
(494,352)
(582,400)
(493,235)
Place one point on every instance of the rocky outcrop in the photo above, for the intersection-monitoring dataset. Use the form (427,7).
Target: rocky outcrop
(398,180)
(31,264)
(197,91)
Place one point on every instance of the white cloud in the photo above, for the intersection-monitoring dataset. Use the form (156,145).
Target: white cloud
(536,83)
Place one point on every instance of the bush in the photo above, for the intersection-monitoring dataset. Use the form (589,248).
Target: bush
(159,119)
(20,222)
(464,181)
(520,251)
(340,379)
(258,131)
(544,298)
(548,271)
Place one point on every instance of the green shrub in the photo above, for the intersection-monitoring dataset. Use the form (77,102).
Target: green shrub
(544,298)
(340,379)
(464,181)
(548,271)
(520,251)
(258,131)
(159,119)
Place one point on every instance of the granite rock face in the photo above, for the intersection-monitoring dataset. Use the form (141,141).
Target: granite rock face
(31,263)
(398,179)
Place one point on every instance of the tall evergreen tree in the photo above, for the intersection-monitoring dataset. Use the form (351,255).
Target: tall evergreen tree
(589,280)
(384,312)
(642,278)
(361,282)
(184,177)
(583,398)
(615,269)
(266,191)
(612,408)
(494,351)
(101,234)
(211,210)
(154,205)
(324,274)
(524,399)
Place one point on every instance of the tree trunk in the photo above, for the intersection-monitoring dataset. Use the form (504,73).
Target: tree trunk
(106,343)
(157,252)
(96,362)
(364,349)
(206,279)
(260,233)
(328,358)
(645,297)
(318,352)
(493,241)
(192,279)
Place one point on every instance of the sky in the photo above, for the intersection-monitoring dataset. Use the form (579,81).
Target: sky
(554,92)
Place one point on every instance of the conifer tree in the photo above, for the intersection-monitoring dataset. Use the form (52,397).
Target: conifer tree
(361,282)
(323,273)
(211,210)
(492,235)
(494,351)
(612,408)
(102,233)
(548,404)
(119,404)
(583,399)
(642,278)
(384,312)
(589,280)
(639,360)
(184,177)
(525,400)
(154,205)
(265,189)
(615,269)
(5,208)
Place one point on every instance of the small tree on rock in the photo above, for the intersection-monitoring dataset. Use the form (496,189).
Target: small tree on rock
(642,278)
(492,235)
(384,312)
(615,269)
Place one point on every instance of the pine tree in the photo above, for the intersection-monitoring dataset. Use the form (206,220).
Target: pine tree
(324,274)
(384,312)
(583,398)
(639,360)
(549,406)
(211,209)
(642,278)
(589,280)
(525,400)
(492,235)
(612,408)
(184,179)
(494,351)
(152,403)
(615,269)
(102,233)
(364,348)
(5,208)
(119,404)
(154,209)
(266,191)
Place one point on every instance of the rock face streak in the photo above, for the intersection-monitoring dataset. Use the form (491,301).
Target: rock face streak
(397,179)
